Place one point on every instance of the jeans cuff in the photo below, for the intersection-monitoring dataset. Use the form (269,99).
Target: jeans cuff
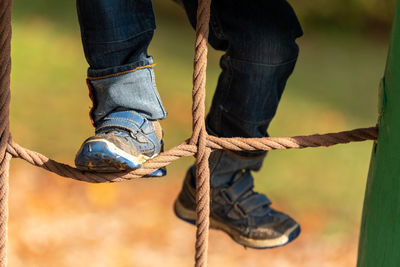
(94,74)
(224,164)
(131,90)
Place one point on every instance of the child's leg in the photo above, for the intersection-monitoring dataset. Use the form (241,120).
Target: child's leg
(126,104)
(259,39)
(115,37)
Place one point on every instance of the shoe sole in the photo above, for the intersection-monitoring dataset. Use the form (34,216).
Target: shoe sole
(101,155)
(190,217)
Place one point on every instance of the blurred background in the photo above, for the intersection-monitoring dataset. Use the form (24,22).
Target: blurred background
(60,222)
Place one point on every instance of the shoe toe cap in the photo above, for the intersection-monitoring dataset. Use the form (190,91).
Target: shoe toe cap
(101,155)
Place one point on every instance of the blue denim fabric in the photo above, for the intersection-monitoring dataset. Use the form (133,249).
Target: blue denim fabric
(132,91)
(259,40)
(115,36)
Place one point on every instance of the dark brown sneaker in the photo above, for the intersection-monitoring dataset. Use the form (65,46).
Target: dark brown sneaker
(240,212)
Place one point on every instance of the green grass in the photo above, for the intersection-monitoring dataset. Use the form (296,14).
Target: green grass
(334,88)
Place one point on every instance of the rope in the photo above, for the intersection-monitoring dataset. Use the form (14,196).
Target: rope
(5,70)
(64,170)
(200,144)
(280,143)
(185,149)
(200,135)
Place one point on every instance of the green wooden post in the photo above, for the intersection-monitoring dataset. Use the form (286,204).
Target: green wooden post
(380,230)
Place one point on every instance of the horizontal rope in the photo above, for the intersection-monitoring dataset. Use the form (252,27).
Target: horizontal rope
(185,149)
(275,143)
(65,170)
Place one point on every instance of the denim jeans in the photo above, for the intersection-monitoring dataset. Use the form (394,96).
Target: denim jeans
(258,38)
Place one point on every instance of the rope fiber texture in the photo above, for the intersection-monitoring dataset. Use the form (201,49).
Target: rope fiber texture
(5,70)
(200,144)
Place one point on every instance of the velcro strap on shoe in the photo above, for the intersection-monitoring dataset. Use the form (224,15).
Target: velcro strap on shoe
(241,186)
(254,202)
(128,120)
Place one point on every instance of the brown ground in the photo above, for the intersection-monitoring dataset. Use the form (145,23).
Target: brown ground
(59,222)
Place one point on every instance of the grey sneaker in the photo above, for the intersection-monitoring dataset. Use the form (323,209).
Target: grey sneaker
(124,140)
(246,216)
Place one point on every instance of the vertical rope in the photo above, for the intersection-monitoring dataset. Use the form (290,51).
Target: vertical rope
(5,164)
(203,206)
(5,69)
(199,135)
(200,66)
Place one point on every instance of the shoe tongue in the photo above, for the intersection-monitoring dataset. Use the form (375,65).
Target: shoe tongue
(226,180)
(238,175)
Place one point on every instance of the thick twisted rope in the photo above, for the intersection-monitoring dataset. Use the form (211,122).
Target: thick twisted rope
(5,69)
(200,135)
(200,144)
(279,143)
(65,170)
(185,149)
